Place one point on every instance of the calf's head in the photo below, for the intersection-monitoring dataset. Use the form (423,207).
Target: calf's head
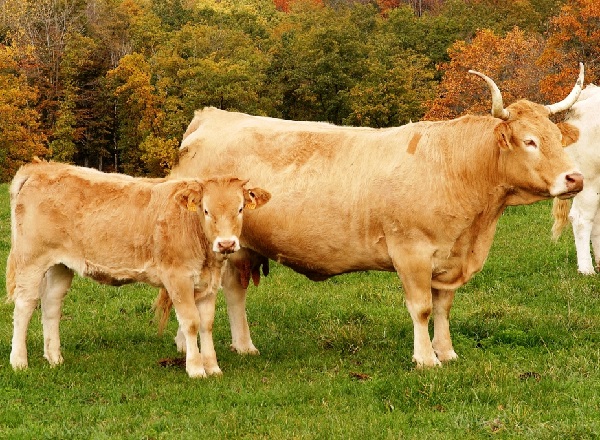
(220,203)
(533,161)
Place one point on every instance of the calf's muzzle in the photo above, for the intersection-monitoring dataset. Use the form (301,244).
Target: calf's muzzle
(227,246)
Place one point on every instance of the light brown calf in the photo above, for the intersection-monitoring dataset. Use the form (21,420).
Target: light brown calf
(117,229)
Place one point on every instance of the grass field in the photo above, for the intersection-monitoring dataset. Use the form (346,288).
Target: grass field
(335,358)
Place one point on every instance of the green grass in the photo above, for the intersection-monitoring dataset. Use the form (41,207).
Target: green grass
(335,358)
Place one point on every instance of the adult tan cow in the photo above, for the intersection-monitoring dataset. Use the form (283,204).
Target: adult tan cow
(117,229)
(422,199)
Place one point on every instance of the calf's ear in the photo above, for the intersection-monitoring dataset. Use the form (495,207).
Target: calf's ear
(255,198)
(503,135)
(190,197)
(570,133)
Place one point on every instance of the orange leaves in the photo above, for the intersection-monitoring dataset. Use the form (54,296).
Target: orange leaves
(509,61)
(574,37)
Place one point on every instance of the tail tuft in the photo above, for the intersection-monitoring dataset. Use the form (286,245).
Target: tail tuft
(560,212)
(162,308)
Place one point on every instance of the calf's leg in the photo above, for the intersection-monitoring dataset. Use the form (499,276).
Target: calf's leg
(182,294)
(53,289)
(26,298)
(235,296)
(206,308)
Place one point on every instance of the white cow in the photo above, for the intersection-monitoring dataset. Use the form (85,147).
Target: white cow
(586,154)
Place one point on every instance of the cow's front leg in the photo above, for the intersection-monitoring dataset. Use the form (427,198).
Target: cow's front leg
(182,295)
(442,343)
(582,215)
(206,308)
(415,273)
(53,290)
(235,296)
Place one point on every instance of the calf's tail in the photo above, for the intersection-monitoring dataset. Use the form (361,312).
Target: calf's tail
(560,212)
(16,185)
(162,308)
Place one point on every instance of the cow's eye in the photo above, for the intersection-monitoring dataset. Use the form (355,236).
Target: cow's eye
(206,212)
(530,143)
(240,210)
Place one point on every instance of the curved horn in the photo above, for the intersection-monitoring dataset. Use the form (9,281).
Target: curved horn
(498,110)
(566,103)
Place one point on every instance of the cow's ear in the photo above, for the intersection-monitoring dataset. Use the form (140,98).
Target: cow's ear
(190,197)
(570,133)
(503,134)
(255,198)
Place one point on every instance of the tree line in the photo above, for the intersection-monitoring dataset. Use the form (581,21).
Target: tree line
(112,84)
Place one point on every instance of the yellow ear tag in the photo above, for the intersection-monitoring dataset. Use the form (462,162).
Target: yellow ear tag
(191,206)
(251,205)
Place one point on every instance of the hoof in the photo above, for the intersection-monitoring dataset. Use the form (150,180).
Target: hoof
(427,363)
(446,356)
(251,350)
(54,361)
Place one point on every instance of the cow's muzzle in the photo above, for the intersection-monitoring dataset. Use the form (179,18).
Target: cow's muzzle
(574,184)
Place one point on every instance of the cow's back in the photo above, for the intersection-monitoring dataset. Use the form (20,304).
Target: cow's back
(81,213)
(334,188)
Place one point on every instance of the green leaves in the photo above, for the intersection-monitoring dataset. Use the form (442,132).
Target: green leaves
(114,83)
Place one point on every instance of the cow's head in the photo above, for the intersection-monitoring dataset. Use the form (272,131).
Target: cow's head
(531,147)
(220,202)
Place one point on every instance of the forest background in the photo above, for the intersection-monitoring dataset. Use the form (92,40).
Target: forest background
(112,84)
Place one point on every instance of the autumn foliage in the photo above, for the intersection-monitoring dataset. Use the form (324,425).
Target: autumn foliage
(574,37)
(112,84)
(509,61)
(20,135)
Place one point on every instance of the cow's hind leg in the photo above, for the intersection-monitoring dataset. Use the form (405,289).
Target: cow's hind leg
(26,298)
(442,343)
(235,296)
(182,294)
(53,289)
(596,239)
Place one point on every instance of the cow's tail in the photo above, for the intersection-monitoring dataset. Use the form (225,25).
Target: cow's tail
(560,212)
(11,283)
(162,308)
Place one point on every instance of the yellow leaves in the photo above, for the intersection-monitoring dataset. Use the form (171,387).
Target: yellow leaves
(20,137)
(158,154)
